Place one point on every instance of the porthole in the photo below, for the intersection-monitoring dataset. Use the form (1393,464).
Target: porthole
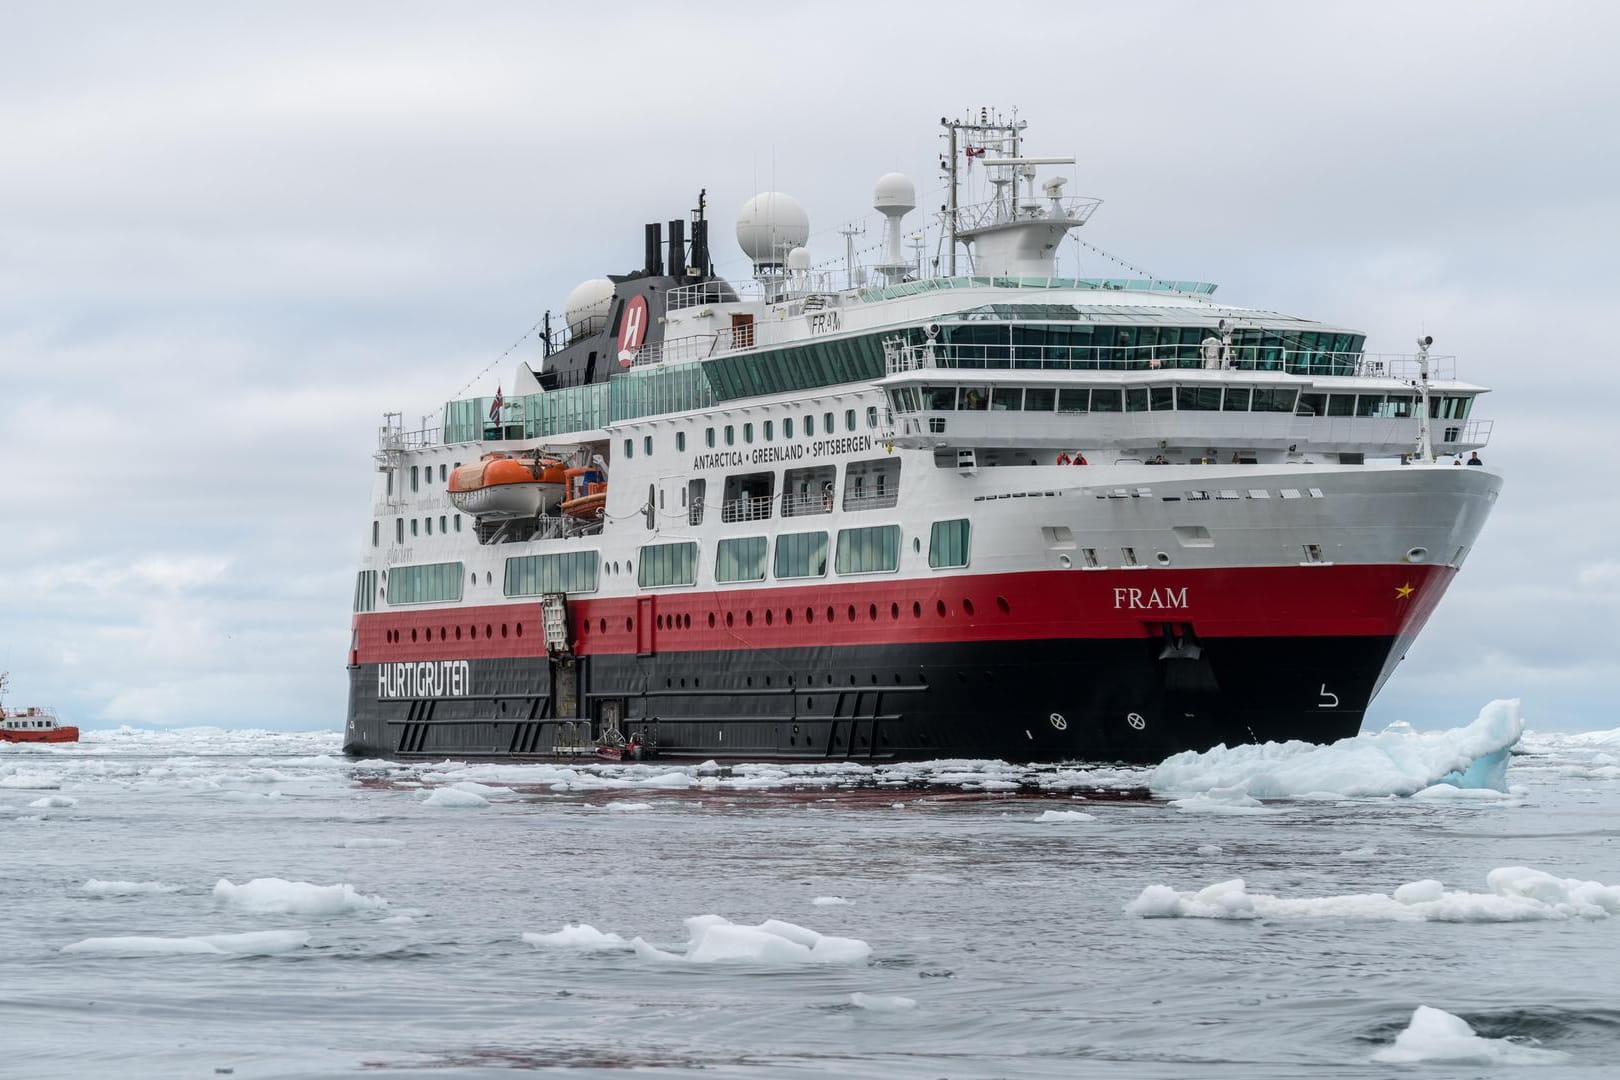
(519,629)
(413,633)
(916,609)
(871,612)
(458,633)
(601,626)
(831,615)
(1065,562)
(809,615)
(767,680)
(628,623)
(660,622)
(967,606)
(489,631)
(503,629)
(748,617)
(711,620)
(1163,558)
(916,544)
(443,633)
(939,606)
(489,578)
(1417,554)
(894,611)
(852,613)
(787,616)
(768,619)
(728,618)
(686,621)
(1006,608)
(472,633)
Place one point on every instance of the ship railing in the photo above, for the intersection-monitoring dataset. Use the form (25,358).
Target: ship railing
(800,504)
(1074,209)
(1454,433)
(880,500)
(676,350)
(393,436)
(753,508)
(710,292)
(899,359)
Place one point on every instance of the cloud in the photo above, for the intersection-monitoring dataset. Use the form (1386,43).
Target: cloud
(234,236)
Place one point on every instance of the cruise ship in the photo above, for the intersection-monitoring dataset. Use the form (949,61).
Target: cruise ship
(945,504)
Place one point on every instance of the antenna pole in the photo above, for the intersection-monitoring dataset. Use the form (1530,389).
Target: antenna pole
(1425,436)
(950,212)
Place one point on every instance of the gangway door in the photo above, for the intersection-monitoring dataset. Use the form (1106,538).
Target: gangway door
(554,622)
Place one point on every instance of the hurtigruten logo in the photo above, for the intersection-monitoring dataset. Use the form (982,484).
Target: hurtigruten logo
(429,679)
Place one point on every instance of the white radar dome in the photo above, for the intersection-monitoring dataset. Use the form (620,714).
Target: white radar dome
(769,225)
(798,259)
(587,306)
(895,191)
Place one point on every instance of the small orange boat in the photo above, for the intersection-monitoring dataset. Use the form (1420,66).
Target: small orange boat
(507,486)
(586,493)
(33,725)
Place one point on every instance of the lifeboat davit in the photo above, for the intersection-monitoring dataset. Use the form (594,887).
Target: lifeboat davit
(502,486)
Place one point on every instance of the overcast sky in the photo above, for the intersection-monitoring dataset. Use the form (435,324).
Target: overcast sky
(232,235)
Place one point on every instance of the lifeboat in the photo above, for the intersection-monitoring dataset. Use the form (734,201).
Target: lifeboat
(503,486)
(586,495)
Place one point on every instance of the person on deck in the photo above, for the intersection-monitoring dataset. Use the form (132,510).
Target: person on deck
(1079,458)
(1473,458)
(1063,457)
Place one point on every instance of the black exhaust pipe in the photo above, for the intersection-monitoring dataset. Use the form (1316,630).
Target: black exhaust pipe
(677,249)
(700,248)
(653,260)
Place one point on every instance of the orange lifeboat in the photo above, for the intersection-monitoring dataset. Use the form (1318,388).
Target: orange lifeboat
(505,486)
(586,493)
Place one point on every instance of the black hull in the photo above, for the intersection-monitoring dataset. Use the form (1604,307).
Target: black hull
(1122,700)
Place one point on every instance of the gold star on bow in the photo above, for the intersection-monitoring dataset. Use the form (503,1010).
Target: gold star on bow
(1403,591)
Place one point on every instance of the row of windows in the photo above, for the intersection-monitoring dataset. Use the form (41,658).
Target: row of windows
(424,584)
(1076,400)
(559,572)
(1083,346)
(767,431)
(870,550)
(418,526)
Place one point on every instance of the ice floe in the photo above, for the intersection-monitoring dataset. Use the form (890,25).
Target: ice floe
(53,802)
(96,887)
(628,807)
(582,936)
(372,842)
(1517,894)
(260,943)
(717,940)
(1227,800)
(1436,1035)
(882,1002)
(1065,815)
(455,799)
(830,901)
(1397,761)
(276,896)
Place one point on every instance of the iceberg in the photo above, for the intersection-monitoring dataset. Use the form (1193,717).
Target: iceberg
(275,896)
(583,936)
(1397,761)
(717,940)
(1436,1035)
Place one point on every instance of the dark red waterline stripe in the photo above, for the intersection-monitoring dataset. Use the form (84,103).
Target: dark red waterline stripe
(1306,601)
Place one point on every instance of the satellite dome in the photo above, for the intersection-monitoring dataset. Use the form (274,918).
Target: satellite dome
(895,191)
(770,224)
(798,259)
(586,309)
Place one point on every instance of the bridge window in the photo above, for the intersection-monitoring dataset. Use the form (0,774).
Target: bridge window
(1235,399)
(869,551)
(428,583)
(1341,405)
(801,555)
(1161,398)
(1312,405)
(948,543)
(941,398)
(1370,405)
(1273,400)
(1450,407)
(1007,399)
(667,564)
(1198,398)
(741,559)
(1039,399)
(560,572)
(1106,401)
(1136,399)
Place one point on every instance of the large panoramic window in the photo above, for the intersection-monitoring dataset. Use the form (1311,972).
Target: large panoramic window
(425,584)
(801,555)
(667,564)
(559,572)
(741,559)
(869,551)
(948,543)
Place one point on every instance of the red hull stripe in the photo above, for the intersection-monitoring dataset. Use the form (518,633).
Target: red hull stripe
(1289,601)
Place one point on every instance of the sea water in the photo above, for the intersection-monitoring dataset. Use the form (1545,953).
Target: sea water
(202,903)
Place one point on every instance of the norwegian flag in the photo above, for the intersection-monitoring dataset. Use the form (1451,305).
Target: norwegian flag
(495,406)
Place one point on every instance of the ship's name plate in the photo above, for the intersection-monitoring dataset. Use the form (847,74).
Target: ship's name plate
(1150,599)
(428,679)
(770,455)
